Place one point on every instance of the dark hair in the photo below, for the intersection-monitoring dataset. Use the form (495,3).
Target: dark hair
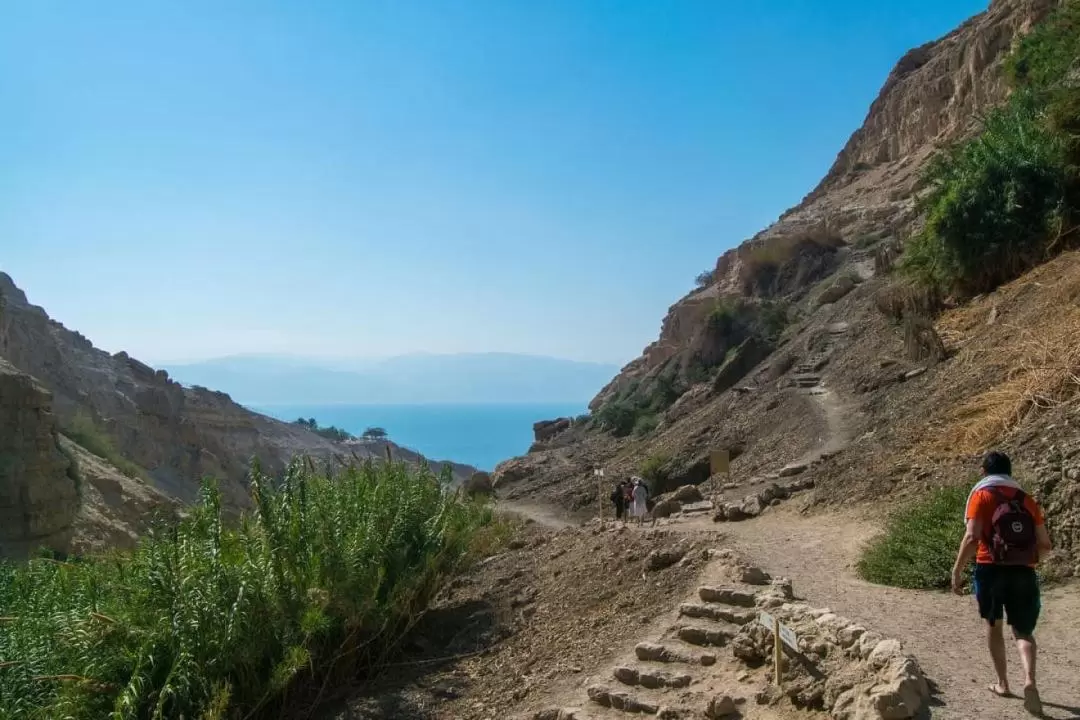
(997,463)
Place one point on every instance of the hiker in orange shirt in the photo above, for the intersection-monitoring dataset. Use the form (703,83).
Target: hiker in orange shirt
(1005,534)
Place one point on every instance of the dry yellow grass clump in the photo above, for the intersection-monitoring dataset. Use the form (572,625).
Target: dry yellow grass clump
(1025,341)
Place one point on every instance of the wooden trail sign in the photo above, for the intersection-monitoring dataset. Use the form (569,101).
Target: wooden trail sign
(719,461)
(782,635)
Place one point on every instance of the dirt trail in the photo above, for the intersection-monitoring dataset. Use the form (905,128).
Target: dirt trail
(551,517)
(818,553)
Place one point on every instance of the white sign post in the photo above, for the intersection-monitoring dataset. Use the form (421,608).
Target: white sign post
(598,473)
(782,635)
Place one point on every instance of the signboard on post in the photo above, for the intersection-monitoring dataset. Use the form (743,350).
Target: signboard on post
(782,635)
(719,460)
(598,473)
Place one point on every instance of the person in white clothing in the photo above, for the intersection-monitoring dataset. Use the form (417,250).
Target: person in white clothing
(641,495)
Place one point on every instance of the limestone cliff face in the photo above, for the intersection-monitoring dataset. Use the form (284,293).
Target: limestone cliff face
(933,96)
(177,434)
(38,494)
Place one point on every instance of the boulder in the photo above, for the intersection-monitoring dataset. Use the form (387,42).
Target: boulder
(721,706)
(839,288)
(664,558)
(547,429)
(479,483)
(666,508)
(687,494)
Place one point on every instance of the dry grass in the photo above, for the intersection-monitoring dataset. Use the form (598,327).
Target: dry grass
(900,299)
(779,249)
(1034,357)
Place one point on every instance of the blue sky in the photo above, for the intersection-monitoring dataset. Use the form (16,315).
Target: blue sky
(196,178)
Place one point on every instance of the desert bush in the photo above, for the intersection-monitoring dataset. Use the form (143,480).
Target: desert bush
(618,416)
(655,469)
(705,279)
(907,298)
(918,547)
(994,203)
(201,621)
(645,424)
(921,340)
(92,438)
(479,483)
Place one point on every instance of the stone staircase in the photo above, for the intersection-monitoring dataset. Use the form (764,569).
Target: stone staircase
(688,671)
(714,662)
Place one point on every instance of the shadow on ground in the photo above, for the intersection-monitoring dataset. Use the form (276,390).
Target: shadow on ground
(413,683)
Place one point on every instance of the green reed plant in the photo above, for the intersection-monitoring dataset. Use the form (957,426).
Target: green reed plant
(201,621)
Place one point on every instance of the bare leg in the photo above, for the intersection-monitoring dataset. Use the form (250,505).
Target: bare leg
(1028,650)
(995,640)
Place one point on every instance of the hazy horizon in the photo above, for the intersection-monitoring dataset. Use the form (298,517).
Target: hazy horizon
(405,380)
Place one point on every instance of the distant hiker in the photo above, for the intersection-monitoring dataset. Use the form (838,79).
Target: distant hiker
(641,497)
(618,499)
(1005,535)
(628,495)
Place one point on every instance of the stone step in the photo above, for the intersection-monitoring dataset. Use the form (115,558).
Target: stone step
(806,380)
(621,700)
(650,678)
(705,636)
(707,611)
(697,507)
(658,652)
(726,596)
(793,470)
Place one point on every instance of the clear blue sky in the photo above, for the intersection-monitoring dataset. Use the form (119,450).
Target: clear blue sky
(198,178)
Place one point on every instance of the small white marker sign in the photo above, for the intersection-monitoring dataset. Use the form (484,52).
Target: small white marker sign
(787,635)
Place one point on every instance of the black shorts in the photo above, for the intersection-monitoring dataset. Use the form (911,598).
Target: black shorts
(1009,590)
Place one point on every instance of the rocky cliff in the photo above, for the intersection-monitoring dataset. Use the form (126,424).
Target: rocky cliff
(159,430)
(38,491)
(934,95)
(783,356)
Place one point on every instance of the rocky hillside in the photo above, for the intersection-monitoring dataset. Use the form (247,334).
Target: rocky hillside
(786,354)
(121,415)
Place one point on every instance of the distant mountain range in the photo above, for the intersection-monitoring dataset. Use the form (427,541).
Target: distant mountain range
(406,379)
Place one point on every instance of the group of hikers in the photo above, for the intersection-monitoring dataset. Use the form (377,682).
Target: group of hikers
(631,500)
(1005,535)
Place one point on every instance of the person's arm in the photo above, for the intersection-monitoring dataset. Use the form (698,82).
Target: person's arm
(968,546)
(1042,541)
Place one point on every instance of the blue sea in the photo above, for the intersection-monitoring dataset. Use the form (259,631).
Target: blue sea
(478,435)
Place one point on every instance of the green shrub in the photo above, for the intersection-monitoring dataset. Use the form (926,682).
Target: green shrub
(918,547)
(84,432)
(645,424)
(200,621)
(705,279)
(654,469)
(1004,200)
(994,203)
(618,417)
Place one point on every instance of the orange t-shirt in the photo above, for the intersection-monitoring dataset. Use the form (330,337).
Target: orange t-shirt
(982,506)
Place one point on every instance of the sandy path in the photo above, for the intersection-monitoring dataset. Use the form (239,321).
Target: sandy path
(547,516)
(942,630)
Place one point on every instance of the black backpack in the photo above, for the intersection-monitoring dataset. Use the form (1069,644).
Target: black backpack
(1012,531)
